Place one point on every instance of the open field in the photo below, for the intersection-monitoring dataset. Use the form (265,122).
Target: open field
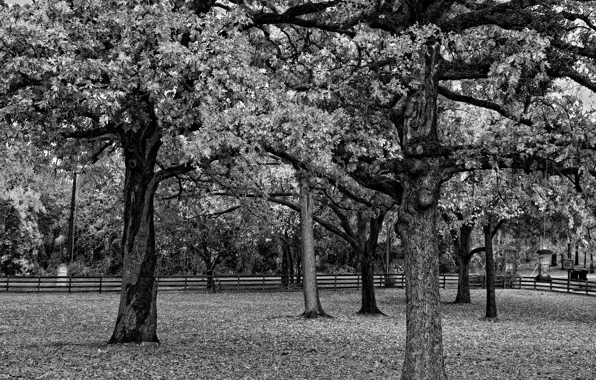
(540,335)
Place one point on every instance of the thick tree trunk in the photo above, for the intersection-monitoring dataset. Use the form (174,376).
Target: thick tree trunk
(312,303)
(463,258)
(421,177)
(463,280)
(417,228)
(137,312)
(491,302)
(369,301)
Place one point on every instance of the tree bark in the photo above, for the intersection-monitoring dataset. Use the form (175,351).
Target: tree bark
(137,313)
(421,178)
(463,258)
(312,303)
(417,229)
(491,302)
(463,280)
(369,301)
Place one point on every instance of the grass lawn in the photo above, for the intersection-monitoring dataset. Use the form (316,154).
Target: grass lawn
(539,335)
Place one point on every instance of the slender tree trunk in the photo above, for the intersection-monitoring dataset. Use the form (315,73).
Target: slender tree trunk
(291,270)
(369,301)
(491,302)
(463,258)
(285,266)
(137,313)
(312,303)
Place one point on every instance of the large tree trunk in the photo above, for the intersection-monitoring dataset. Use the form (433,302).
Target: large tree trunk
(137,313)
(491,302)
(463,257)
(421,177)
(369,301)
(312,303)
(417,228)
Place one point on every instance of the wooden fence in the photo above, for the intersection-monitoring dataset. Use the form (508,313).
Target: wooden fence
(275,283)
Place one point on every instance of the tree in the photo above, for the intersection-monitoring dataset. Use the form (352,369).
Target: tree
(500,56)
(312,303)
(400,56)
(359,225)
(124,75)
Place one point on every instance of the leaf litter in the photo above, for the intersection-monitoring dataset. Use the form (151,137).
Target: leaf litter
(260,336)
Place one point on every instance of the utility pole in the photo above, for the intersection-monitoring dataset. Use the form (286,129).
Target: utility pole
(71,222)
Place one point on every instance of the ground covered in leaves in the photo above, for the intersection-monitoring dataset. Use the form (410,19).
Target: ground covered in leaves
(539,335)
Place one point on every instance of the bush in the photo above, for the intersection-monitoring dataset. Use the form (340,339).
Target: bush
(17,266)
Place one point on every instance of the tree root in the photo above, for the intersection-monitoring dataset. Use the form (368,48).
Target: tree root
(373,312)
(313,314)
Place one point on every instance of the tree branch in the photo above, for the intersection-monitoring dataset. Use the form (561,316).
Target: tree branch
(456,70)
(573,75)
(173,171)
(482,103)
(509,15)
(328,226)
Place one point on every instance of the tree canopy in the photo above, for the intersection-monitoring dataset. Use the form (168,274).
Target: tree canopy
(350,89)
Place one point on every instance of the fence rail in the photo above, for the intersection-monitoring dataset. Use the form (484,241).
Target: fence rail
(276,283)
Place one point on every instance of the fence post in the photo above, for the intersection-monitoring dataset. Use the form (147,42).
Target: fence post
(238,283)
(38,283)
(534,283)
(263,282)
(185,281)
(100,281)
(587,287)
(551,286)
(335,283)
(69,283)
(7,282)
(358,282)
(444,284)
